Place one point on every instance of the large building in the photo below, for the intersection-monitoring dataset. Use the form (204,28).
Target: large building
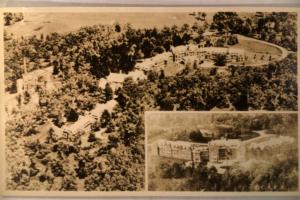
(188,151)
(233,55)
(223,153)
(194,52)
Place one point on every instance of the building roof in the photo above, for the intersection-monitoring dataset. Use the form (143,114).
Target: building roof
(120,77)
(225,126)
(209,33)
(137,75)
(148,63)
(116,77)
(181,144)
(85,120)
(225,142)
(273,142)
(80,124)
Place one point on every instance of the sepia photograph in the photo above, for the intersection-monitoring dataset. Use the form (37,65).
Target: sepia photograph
(78,83)
(222,151)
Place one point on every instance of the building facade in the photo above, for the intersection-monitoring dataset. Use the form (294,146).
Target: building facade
(182,150)
(223,153)
(233,55)
(192,52)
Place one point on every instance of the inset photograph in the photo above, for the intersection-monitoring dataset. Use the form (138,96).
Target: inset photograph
(237,152)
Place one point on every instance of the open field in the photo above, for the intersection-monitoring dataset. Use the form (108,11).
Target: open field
(38,23)
(256,46)
(259,52)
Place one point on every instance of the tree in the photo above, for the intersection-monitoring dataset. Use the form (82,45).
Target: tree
(8,17)
(152,76)
(220,60)
(92,137)
(241,101)
(186,38)
(162,74)
(118,28)
(195,64)
(213,71)
(50,137)
(220,42)
(167,103)
(197,136)
(147,47)
(72,115)
(55,50)
(27,97)
(81,170)
(100,66)
(178,170)
(55,68)
(232,40)
(226,21)
(58,121)
(13,88)
(108,92)
(122,98)
(105,118)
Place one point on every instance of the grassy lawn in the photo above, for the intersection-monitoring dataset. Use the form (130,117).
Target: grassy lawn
(258,52)
(257,47)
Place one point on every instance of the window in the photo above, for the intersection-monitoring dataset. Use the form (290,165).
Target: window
(227,154)
(222,154)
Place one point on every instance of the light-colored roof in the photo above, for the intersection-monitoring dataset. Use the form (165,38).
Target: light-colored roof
(116,77)
(206,130)
(225,142)
(80,124)
(137,75)
(148,63)
(120,77)
(273,142)
(102,83)
(179,144)
(89,118)
(209,33)
(263,136)
(224,126)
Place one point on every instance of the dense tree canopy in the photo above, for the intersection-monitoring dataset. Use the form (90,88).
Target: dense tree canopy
(276,27)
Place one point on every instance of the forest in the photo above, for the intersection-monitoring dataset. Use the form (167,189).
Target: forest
(276,27)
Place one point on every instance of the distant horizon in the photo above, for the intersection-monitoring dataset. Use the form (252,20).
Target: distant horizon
(67,22)
(49,22)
